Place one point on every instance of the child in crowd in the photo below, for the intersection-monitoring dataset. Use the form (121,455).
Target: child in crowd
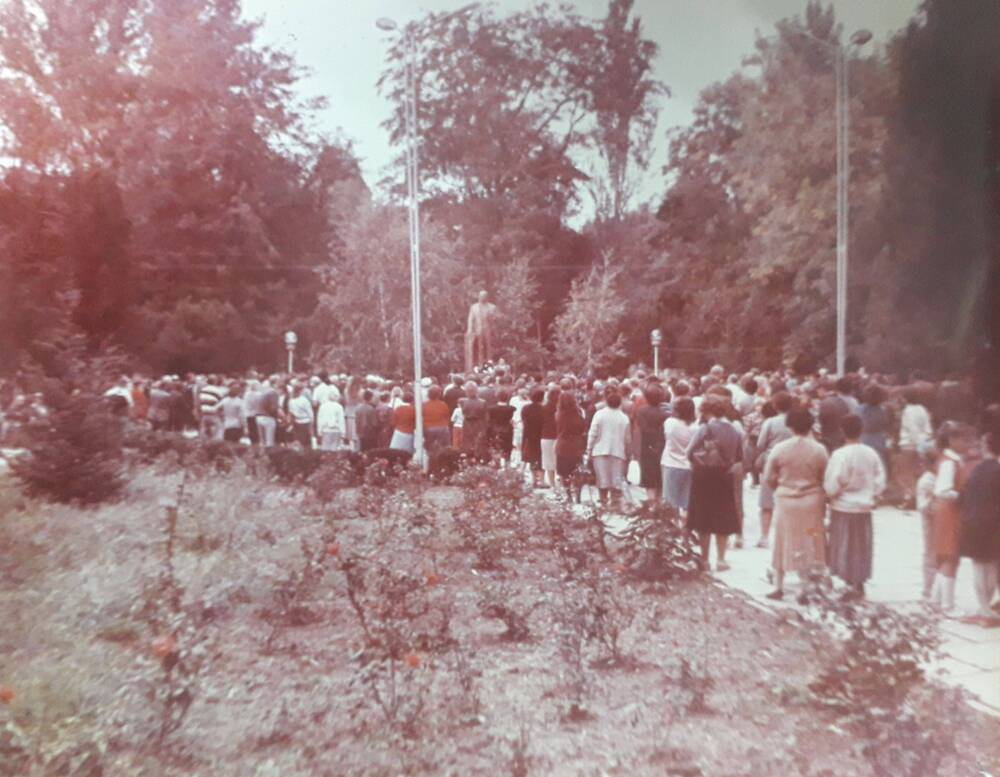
(956,442)
(925,496)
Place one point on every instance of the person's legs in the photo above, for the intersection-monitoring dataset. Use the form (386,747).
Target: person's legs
(984,578)
(737,476)
(943,592)
(303,435)
(765,527)
(721,541)
(267,426)
(704,543)
(930,562)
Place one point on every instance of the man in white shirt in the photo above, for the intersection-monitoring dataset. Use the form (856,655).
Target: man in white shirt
(331,425)
(854,479)
(301,410)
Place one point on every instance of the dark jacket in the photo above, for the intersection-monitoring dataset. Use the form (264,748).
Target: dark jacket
(979,508)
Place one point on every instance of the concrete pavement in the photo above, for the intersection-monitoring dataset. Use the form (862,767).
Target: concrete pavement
(971,654)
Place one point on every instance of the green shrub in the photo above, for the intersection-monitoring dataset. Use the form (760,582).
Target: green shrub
(75,454)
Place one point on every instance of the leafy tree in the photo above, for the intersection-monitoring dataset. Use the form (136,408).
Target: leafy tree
(944,190)
(183,144)
(624,99)
(588,335)
(503,103)
(519,336)
(364,317)
(751,218)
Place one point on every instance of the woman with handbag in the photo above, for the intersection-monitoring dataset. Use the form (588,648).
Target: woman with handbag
(714,449)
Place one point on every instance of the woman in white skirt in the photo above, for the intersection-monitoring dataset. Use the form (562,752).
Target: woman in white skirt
(606,446)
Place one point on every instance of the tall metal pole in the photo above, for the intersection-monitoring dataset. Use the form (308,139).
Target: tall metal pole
(413,191)
(843,176)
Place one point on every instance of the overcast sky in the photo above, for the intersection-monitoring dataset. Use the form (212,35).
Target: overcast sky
(701,41)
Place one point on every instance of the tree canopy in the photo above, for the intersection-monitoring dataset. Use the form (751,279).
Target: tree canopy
(164,190)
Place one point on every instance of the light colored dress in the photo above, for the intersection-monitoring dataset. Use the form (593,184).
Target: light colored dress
(795,470)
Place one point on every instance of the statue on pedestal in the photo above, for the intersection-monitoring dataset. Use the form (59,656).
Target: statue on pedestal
(479,332)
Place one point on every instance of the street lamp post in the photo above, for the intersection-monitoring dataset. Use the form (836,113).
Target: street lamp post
(843,116)
(656,338)
(413,206)
(291,340)
(842,113)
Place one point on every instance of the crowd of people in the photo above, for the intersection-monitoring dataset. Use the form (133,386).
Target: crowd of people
(817,453)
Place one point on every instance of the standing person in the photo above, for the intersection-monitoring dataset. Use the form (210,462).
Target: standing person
(456,428)
(915,435)
(473,422)
(384,420)
(714,449)
(352,398)
(607,444)
(832,410)
(571,440)
(210,398)
(140,399)
(955,442)
(549,434)
(233,417)
(251,408)
(500,425)
(267,414)
(159,406)
(925,504)
(454,392)
(854,479)
(367,422)
(532,418)
(773,431)
(300,411)
(979,535)
(404,421)
(795,469)
(678,430)
(518,401)
(875,421)
(437,434)
(331,425)
(649,418)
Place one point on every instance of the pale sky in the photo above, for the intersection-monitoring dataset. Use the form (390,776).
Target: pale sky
(701,41)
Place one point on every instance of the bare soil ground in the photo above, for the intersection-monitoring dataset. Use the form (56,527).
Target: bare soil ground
(686,679)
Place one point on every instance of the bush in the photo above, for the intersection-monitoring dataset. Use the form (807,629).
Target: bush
(75,454)
(870,683)
(658,548)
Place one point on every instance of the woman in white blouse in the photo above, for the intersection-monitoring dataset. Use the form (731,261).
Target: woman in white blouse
(677,432)
(606,446)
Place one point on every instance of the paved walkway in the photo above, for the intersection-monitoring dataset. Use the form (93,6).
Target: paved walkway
(971,653)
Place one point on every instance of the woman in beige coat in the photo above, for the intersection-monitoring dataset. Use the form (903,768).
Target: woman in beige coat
(795,470)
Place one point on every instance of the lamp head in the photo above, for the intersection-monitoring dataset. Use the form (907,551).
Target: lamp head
(861,37)
(386,25)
